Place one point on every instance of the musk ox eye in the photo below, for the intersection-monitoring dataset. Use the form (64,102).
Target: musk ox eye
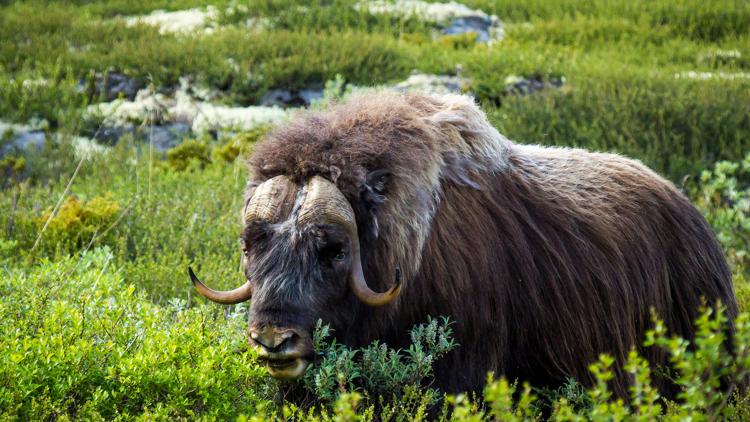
(243,246)
(333,254)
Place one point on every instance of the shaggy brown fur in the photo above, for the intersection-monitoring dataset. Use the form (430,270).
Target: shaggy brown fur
(544,257)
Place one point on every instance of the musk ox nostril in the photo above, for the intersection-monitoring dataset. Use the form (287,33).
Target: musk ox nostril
(272,339)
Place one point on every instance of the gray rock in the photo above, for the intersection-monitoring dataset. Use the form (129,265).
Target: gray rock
(109,135)
(310,95)
(28,140)
(166,136)
(24,142)
(291,98)
(432,84)
(528,86)
(117,83)
(112,84)
(476,24)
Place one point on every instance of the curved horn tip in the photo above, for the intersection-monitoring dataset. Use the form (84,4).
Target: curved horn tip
(394,290)
(380,299)
(230,297)
(193,278)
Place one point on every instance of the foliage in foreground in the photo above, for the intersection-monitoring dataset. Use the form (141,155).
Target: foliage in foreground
(77,341)
(724,198)
(377,370)
(710,377)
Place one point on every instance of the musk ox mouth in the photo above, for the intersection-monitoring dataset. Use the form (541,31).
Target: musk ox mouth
(285,368)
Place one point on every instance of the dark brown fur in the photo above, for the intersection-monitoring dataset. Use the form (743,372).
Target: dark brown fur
(544,257)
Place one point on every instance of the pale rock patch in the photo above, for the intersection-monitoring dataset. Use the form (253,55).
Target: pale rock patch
(704,76)
(180,21)
(433,84)
(429,12)
(151,107)
(455,17)
(87,148)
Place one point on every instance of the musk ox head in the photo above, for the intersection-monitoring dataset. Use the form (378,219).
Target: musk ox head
(301,257)
(341,200)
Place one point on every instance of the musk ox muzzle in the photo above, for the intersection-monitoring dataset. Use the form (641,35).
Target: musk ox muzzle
(286,350)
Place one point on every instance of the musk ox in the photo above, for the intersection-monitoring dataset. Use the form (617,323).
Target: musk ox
(390,207)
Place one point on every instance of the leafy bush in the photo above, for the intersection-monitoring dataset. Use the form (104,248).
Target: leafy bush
(459,41)
(723,195)
(190,154)
(76,223)
(31,94)
(239,145)
(707,372)
(11,167)
(78,342)
(377,371)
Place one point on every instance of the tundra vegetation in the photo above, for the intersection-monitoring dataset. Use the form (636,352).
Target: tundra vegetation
(97,317)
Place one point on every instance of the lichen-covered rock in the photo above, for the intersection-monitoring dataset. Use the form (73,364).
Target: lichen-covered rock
(454,18)
(440,13)
(433,84)
(87,148)
(720,57)
(241,118)
(180,21)
(517,85)
(703,76)
(147,107)
(20,138)
(291,98)
(480,26)
(111,85)
(161,110)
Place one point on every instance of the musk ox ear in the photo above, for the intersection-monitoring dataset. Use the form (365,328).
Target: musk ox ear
(375,185)
(373,194)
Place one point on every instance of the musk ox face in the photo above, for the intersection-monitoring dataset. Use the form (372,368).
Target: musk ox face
(301,259)
(299,275)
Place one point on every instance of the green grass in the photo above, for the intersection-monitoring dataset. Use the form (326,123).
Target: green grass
(619,61)
(95,301)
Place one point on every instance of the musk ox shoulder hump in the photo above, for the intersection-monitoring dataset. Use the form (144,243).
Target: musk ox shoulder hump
(412,135)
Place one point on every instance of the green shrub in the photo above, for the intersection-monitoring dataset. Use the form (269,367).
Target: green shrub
(703,370)
(723,195)
(459,41)
(191,153)
(78,342)
(11,167)
(381,374)
(76,223)
(48,95)
(695,19)
(240,145)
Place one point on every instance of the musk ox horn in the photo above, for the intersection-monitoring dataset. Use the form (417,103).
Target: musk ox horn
(265,204)
(269,198)
(325,202)
(230,297)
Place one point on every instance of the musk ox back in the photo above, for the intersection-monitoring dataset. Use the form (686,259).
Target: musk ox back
(390,207)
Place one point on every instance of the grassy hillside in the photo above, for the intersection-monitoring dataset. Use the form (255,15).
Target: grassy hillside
(97,318)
